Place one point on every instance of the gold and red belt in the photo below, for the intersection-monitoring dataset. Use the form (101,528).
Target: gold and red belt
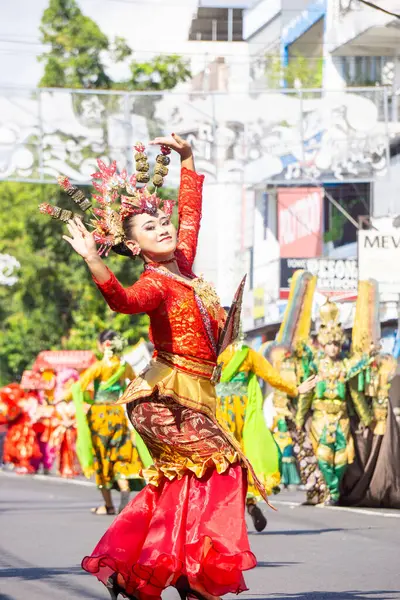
(194,366)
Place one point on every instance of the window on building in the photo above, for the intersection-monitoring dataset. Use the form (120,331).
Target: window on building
(356,200)
(217,25)
(363,70)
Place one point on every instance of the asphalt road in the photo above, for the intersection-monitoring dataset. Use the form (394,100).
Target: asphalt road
(305,554)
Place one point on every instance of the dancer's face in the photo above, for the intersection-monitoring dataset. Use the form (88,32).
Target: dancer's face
(153,237)
(332,349)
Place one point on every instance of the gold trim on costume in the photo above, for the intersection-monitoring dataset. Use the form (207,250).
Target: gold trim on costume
(154,474)
(189,390)
(199,368)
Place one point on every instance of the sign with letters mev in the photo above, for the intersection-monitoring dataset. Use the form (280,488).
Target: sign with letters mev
(379,258)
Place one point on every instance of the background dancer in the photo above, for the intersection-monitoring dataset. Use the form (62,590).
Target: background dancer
(104,444)
(240,410)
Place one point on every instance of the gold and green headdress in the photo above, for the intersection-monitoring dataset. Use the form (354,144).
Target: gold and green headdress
(330,330)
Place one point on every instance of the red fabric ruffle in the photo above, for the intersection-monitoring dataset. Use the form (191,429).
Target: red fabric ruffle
(189,527)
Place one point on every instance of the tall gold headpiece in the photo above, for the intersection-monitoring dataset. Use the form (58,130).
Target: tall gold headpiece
(330,330)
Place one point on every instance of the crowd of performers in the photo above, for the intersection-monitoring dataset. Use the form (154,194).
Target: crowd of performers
(308,439)
(202,439)
(64,421)
(339,439)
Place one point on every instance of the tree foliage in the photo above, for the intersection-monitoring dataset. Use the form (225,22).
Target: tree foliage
(79,53)
(306,72)
(76,45)
(54,304)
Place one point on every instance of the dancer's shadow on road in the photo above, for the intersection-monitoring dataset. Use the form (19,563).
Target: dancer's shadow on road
(343,595)
(37,573)
(52,577)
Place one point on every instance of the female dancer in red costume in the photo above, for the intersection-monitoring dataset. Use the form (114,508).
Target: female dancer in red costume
(21,447)
(186,528)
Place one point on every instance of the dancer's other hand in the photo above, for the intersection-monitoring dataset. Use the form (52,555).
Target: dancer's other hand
(81,239)
(307,385)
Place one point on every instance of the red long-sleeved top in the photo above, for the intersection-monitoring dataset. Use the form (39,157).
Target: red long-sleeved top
(176,322)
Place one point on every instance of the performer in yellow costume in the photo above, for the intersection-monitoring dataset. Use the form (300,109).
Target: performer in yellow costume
(240,410)
(330,428)
(104,444)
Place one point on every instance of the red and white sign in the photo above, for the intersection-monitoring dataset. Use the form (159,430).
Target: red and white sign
(54,360)
(300,228)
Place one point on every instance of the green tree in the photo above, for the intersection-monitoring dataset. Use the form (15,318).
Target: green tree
(161,73)
(54,303)
(79,51)
(306,71)
(76,45)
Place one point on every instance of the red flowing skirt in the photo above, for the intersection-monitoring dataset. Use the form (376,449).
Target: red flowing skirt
(188,525)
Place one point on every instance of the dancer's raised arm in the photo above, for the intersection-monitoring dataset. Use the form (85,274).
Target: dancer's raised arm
(189,201)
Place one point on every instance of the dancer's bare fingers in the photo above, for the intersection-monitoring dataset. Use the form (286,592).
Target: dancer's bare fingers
(81,227)
(73,230)
(67,239)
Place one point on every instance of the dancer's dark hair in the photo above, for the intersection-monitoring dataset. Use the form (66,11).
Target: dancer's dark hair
(107,335)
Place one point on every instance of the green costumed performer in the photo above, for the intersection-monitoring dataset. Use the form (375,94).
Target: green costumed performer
(330,427)
(284,441)
(291,355)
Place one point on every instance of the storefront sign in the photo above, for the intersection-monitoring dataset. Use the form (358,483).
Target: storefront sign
(300,221)
(335,276)
(379,258)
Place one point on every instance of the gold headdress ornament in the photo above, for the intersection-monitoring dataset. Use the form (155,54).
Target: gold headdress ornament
(118,197)
(295,328)
(330,330)
(367,327)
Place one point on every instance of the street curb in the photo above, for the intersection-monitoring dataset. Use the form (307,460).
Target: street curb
(359,511)
(83,483)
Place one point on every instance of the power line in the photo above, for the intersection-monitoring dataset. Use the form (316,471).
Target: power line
(372,5)
(203,55)
(321,43)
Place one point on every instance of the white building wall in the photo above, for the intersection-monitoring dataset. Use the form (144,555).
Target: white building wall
(266,248)
(353,23)
(332,76)
(386,191)
(220,257)
(258,16)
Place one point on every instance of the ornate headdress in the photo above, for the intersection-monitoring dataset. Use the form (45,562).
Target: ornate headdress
(330,330)
(118,197)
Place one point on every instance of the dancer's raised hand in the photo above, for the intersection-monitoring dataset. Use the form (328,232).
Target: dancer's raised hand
(81,239)
(176,143)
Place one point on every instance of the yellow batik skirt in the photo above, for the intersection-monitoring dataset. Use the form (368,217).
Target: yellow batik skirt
(115,456)
(231,414)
